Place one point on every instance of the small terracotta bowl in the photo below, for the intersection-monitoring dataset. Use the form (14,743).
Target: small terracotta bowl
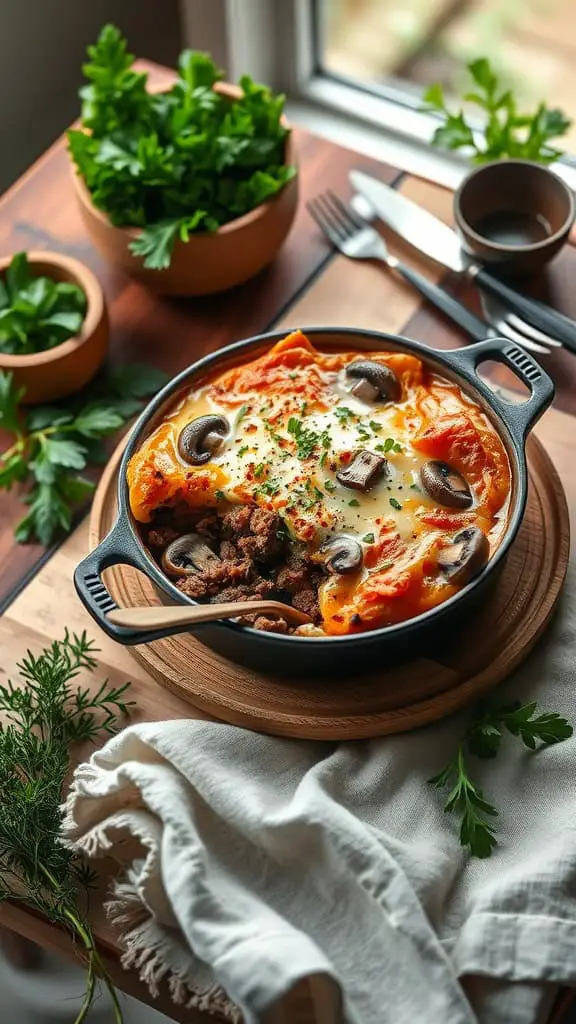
(207,263)
(513,215)
(68,367)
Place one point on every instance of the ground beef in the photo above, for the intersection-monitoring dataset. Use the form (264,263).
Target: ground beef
(236,521)
(259,589)
(161,536)
(208,525)
(307,601)
(209,581)
(255,561)
(228,551)
(267,625)
(295,574)
(262,541)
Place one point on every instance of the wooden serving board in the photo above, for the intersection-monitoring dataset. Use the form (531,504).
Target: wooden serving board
(389,699)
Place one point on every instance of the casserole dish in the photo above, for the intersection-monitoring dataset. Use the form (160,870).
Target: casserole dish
(327,654)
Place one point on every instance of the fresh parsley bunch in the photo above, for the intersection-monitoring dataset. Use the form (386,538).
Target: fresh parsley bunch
(41,718)
(53,444)
(37,313)
(174,163)
(483,739)
(506,132)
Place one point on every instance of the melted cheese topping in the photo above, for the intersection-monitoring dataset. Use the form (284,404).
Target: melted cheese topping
(293,424)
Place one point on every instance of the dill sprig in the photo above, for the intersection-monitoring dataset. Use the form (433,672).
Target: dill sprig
(42,718)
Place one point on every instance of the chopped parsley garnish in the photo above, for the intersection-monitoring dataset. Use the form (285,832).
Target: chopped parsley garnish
(259,469)
(243,449)
(325,439)
(368,538)
(344,414)
(376,427)
(414,487)
(390,445)
(241,413)
(323,459)
(306,440)
(219,495)
(354,503)
(293,375)
(273,433)
(387,565)
(303,409)
(395,504)
(329,485)
(269,487)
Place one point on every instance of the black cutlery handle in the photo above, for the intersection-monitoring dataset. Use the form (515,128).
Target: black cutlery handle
(453,309)
(537,313)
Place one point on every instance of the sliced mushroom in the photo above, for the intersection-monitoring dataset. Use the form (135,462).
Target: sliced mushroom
(342,555)
(445,485)
(363,472)
(385,386)
(465,556)
(201,438)
(187,555)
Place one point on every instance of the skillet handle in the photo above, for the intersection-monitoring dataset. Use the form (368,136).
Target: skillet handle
(117,548)
(518,418)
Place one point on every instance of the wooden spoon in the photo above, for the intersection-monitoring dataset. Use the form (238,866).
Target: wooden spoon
(165,616)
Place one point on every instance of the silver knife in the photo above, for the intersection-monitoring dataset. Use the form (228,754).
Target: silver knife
(434,238)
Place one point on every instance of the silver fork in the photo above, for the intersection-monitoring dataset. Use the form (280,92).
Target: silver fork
(502,319)
(354,237)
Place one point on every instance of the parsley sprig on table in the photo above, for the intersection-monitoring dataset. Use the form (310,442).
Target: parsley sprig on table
(177,162)
(41,719)
(37,313)
(483,739)
(52,445)
(506,132)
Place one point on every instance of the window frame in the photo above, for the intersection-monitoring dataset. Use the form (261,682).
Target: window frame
(275,42)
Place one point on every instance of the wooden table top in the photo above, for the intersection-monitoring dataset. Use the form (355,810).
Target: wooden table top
(307,285)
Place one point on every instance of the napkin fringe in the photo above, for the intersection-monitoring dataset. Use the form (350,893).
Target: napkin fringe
(155,958)
(148,948)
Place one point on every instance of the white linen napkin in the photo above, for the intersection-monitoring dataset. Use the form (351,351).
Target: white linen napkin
(284,880)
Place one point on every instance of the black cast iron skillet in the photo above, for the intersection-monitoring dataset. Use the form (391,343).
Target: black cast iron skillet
(362,651)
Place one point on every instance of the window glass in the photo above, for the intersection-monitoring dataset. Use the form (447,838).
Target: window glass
(408,44)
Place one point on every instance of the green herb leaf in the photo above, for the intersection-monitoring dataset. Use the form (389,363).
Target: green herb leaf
(506,133)
(180,162)
(37,313)
(395,504)
(98,422)
(137,380)
(368,538)
(354,503)
(483,738)
(53,443)
(63,452)
(10,397)
(42,716)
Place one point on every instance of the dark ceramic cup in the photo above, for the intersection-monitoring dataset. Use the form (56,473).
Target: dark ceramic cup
(513,215)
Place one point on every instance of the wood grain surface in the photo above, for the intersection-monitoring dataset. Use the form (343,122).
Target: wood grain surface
(40,212)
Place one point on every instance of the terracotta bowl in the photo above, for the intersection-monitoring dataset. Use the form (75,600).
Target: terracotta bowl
(207,263)
(68,367)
